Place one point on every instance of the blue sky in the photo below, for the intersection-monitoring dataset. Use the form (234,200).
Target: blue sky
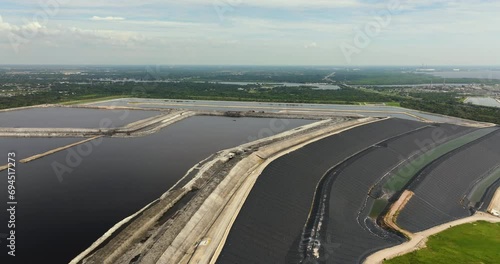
(258,32)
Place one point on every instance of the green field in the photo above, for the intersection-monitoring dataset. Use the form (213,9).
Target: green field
(397,104)
(478,191)
(477,242)
(378,206)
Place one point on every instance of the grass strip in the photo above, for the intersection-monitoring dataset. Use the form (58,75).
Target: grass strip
(469,243)
(399,179)
(480,188)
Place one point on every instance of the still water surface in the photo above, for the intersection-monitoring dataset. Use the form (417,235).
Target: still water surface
(366,110)
(64,117)
(27,147)
(484,101)
(56,220)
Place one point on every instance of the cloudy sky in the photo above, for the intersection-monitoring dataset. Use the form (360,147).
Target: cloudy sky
(255,32)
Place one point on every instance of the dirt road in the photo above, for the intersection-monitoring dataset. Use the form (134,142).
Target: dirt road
(419,239)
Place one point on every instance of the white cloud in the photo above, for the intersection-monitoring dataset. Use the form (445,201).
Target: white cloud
(108,18)
(311,45)
(109,37)
(35,33)
(5,26)
(189,31)
(255,3)
(25,29)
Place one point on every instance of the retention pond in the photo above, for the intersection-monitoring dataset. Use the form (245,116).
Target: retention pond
(66,117)
(67,200)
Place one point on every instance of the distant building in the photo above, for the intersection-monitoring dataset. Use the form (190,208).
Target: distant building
(426,70)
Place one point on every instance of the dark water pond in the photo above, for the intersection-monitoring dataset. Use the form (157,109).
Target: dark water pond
(27,147)
(61,212)
(62,117)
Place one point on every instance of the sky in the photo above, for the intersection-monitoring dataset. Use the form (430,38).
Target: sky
(250,32)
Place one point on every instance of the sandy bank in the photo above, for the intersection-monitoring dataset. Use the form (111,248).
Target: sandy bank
(495,202)
(419,239)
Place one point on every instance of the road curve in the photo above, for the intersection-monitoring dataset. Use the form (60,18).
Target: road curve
(419,239)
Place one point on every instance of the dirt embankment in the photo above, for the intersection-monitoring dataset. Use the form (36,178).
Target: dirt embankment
(197,211)
(139,128)
(390,218)
(211,245)
(152,124)
(494,206)
(27,107)
(419,239)
(51,132)
(146,126)
(50,152)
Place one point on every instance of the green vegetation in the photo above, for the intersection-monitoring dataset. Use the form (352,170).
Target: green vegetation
(469,243)
(388,77)
(47,84)
(392,76)
(195,91)
(378,206)
(451,107)
(478,191)
(430,102)
(399,179)
(396,181)
(397,104)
